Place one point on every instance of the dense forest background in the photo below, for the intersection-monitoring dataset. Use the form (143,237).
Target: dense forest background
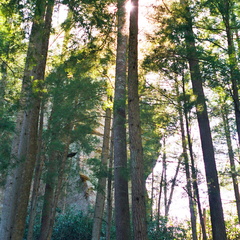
(119,119)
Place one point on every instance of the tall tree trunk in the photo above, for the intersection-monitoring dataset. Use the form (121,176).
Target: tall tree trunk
(216,210)
(193,170)
(231,157)
(187,170)
(152,194)
(49,194)
(122,215)
(136,150)
(159,201)
(25,143)
(101,191)
(109,206)
(32,119)
(37,178)
(226,11)
(164,174)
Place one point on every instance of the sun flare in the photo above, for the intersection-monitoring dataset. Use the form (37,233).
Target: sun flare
(129,6)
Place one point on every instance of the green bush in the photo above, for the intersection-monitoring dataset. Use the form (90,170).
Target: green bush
(165,232)
(72,225)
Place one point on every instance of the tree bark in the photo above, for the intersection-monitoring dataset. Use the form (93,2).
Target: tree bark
(58,190)
(109,207)
(102,181)
(193,170)
(187,170)
(216,210)
(225,10)
(32,119)
(136,150)
(50,186)
(231,157)
(122,215)
(37,178)
(25,143)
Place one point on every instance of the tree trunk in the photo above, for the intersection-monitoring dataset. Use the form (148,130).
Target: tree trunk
(109,193)
(25,144)
(58,190)
(159,201)
(216,210)
(122,215)
(187,170)
(234,70)
(231,157)
(169,201)
(193,170)
(49,194)
(101,191)
(136,150)
(32,119)
(37,178)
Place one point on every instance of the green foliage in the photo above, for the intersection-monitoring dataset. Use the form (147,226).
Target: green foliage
(75,96)
(162,231)
(6,133)
(72,225)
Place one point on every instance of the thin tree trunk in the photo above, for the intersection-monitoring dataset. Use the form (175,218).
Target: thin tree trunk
(121,199)
(234,70)
(109,193)
(49,195)
(159,201)
(101,191)
(37,178)
(187,170)
(58,190)
(152,194)
(136,150)
(164,165)
(172,188)
(193,170)
(216,210)
(231,158)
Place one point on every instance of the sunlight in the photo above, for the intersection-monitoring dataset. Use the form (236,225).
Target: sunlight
(129,6)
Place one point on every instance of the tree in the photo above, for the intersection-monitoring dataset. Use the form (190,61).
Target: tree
(136,150)
(122,216)
(216,210)
(25,144)
(102,181)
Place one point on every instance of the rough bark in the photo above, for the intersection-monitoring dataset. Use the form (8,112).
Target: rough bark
(136,150)
(122,215)
(32,123)
(102,181)
(216,210)
(24,145)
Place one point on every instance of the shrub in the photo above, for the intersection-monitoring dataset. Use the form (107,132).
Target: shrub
(72,225)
